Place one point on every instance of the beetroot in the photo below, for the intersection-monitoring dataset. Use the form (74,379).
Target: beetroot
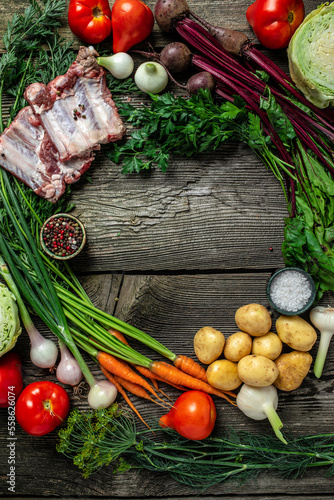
(169,12)
(231,40)
(202,80)
(176,57)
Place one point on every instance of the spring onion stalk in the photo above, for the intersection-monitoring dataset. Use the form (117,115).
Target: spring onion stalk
(43,352)
(323,319)
(260,403)
(120,65)
(53,314)
(100,338)
(68,370)
(75,303)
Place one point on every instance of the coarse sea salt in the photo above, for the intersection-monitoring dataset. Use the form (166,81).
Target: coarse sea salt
(290,291)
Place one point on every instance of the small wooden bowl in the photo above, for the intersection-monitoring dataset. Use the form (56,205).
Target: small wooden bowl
(64,231)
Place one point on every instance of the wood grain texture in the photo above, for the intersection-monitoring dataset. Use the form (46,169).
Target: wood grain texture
(170,253)
(172,309)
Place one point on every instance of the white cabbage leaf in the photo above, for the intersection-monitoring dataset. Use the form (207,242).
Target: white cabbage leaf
(311,56)
(10,327)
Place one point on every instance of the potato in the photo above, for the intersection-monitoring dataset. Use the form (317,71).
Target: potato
(292,367)
(253,319)
(237,346)
(223,375)
(257,371)
(296,332)
(208,344)
(269,345)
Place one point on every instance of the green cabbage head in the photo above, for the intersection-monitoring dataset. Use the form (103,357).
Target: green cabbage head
(10,327)
(311,56)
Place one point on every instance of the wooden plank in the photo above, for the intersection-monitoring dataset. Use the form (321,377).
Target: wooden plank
(178,236)
(219,12)
(202,214)
(172,309)
(220,211)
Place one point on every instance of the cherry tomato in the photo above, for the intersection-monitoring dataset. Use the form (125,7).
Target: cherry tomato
(41,407)
(193,415)
(11,383)
(90,20)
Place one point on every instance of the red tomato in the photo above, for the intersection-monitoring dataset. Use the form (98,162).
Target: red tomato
(132,22)
(90,20)
(11,383)
(275,21)
(41,407)
(193,415)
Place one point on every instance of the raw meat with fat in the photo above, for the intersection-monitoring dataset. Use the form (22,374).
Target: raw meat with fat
(27,152)
(51,143)
(76,109)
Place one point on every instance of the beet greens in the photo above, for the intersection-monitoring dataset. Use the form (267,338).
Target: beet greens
(300,136)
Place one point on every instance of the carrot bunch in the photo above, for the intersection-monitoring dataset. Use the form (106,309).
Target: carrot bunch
(125,378)
(114,355)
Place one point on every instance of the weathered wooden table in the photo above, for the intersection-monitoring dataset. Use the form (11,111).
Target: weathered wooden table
(170,253)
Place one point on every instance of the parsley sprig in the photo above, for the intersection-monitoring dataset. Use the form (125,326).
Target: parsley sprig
(175,125)
(188,127)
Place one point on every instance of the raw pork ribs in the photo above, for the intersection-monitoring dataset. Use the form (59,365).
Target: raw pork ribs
(52,141)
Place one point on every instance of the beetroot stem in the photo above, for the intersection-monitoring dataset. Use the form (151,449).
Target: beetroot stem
(285,81)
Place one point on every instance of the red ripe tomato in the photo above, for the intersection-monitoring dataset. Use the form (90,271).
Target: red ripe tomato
(90,20)
(275,21)
(11,383)
(193,415)
(41,407)
(132,22)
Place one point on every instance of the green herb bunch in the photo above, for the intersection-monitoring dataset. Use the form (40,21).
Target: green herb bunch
(34,52)
(97,438)
(174,125)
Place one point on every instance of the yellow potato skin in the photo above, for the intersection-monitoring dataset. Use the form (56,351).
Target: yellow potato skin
(253,319)
(296,332)
(208,344)
(237,346)
(292,367)
(269,345)
(223,375)
(257,371)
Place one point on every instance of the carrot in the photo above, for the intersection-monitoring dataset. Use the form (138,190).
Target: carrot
(191,367)
(147,373)
(183,363)
(135,389)
(123,393)
(143,371)
(123,370)
(173,375)
(118,335)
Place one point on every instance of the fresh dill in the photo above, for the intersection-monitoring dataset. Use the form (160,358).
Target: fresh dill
(97,438)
